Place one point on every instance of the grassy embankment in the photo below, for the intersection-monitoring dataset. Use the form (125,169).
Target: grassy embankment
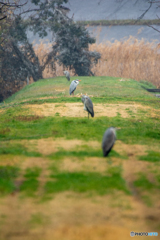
(47,150)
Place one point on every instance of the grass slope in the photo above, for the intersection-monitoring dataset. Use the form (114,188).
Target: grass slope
(103,89)
(22,132)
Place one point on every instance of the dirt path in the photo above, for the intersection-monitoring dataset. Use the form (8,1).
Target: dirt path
(76,109)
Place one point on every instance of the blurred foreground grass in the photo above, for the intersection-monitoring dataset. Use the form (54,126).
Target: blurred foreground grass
(43,156)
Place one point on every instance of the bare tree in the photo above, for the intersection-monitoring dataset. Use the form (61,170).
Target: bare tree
(150,4)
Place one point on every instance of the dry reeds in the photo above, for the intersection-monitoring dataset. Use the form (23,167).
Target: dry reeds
(130,58)
(41,50)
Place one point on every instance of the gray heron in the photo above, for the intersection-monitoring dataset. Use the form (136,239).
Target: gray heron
(67,74)
(73,86)
(108,140)
(88,105)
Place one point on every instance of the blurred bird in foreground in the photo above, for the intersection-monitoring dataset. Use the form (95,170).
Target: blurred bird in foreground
(73,86)
(108,140)
(88,105)
(67,74)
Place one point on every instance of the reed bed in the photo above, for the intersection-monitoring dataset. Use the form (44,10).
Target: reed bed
(129,58)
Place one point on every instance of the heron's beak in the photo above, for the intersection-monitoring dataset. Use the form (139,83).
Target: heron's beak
(117,128)
(79,80)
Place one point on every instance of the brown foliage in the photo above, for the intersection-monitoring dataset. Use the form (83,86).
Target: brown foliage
(131,58)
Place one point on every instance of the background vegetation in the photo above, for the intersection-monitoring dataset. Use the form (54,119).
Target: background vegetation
(18,61)
(130,58)
(120,22)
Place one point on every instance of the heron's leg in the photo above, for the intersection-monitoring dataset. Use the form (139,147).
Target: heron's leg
(73,93)
(88,115)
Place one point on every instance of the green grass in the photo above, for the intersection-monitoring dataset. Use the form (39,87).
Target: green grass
(103,89)
(7,176)
(32,172)
(30,187)
(85,182)
(17,149)
(30,184)
(143,183)
(90,152)
(151,157)
(132,130)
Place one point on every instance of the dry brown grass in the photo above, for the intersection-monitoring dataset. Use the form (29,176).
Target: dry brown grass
(76,110)
(130,58)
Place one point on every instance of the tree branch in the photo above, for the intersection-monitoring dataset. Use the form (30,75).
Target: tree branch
(145,11)
(12,5)
(3,18)
(31,10)
(154,28)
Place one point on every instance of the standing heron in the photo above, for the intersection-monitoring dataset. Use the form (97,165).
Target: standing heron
(108,141)
(88,105)
(67,74)
(73,86)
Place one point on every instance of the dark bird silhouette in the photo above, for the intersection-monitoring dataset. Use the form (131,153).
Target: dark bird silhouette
(108,140)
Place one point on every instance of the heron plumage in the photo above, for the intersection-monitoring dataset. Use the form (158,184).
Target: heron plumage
(88,105)
(67,74)
(108,140)
(73,86)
